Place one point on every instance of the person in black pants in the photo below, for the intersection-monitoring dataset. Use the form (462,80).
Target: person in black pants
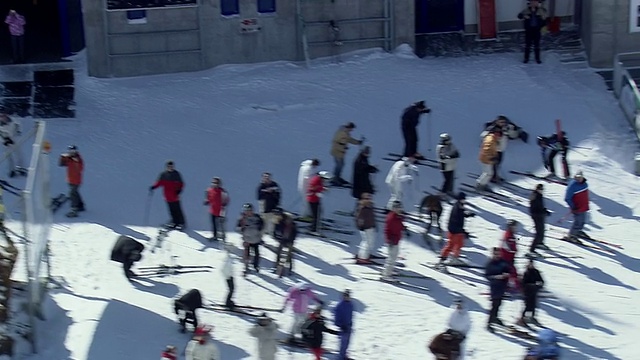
(285,232)
(127,251)
(410,121)
(532,282)
(497,272)
(538,213)
(557,145)
(534,19)
(185,307)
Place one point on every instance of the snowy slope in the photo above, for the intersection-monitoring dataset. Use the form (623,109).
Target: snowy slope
(238,121)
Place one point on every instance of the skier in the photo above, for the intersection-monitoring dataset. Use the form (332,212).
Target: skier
(393,228)
(432,205)
(269,199)
(307,169)
(339,147)
(534,19)
(312,332)
(459,325)
(538,213)
(200,348)
(409,124)
(75,167)
(488,157)
(448,157)
(362,175)
(285,232)
(577,197)
(127,251)
(456,233)
(250,226)
(532,283)
(315,191)
(299,295)
(171,182)
(10,131)
(185,307)
(497,272)
(508,250)
(366,223)
(556,144)
(547,347)
(343,319)
(170,353)
(227,273)
(266,331)
(217,198)
(401,172)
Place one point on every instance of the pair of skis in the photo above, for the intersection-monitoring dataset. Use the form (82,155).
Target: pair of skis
(172,269)
(253,311)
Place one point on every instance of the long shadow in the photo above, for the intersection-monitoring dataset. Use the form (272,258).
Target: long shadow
(144,283)
(612,208)
(558,309)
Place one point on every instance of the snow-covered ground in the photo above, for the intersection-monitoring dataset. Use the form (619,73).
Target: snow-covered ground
(236,122)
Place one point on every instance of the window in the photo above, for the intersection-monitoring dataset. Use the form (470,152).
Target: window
(137,16)
(229,7)
(634,16)
(266,6)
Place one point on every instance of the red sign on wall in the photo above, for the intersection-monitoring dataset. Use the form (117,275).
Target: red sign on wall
(487,24)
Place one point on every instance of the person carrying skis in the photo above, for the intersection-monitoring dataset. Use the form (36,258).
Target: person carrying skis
(577,197)
(547,347)
(307,169)
(269,199)
(459,325)
(285,232)
(456,233)
(266,331)
(488,158)
(556,145)
(227,273)
(532,283)
(409,125)
(170,353)
(534,18)
(314,194)
(393,228)
(299,295)
(400,173)
(217,198)
(312,332)
(448,157)
(366,223)
(497,272)
(200,347)
(539,214)
(171,182)
(10,131)
(339,146)
(250,226)
(362,175)
(75,167)
(343,319)
(508,250)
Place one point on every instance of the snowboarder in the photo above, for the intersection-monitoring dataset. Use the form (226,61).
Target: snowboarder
(508,250)
(75,167)
(488,157)
(409,125)
(171,182)
(185,307)
(307,169)
(339,147)
(127,251)
(250,227)
(532,283)
(459,325)
(315,191)
(170,353)
(456,233)
(432,205)
(448,157)
(269,199)
(299,295)
(285,232)
(362,175)
(538,213)
(577,197)
(393,228)
(343,319)
(217,198)
(402,171)
(312,332)
(534,18)
(10,131)
(547,347)
(366,223)
(266,331)
(497,272)
(200,347)
(227,273)
(557,145)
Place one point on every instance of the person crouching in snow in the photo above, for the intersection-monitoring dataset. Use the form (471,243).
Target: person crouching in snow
(393,228)
(299,295)
(400,173)
(459,325)
(508,250)
(456,232)
(201,347)
(366,223)
(169,353)
(266,331)
(313,330)
(343,318)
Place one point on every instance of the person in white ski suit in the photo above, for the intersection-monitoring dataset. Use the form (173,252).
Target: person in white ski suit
(402,171)
(201,347)
(266,331)
(459,323)
(10,131)
(308,168)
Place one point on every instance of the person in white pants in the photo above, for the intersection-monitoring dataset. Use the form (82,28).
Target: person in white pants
(459,324)
(10,131)
(401,172)
(393,229)
(488,156)
(366,223)
(308,168)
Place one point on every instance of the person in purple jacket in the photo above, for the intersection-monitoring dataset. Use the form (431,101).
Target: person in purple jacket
(343,318)
(300,296)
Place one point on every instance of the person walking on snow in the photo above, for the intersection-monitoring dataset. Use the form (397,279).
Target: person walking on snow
(532,283)
(577,197)
(409,125)
(269,199)
(508,250)
(497,272)
(362,175)
(266,331)
(339,147)
(314,194)
(534,19)
(456,233)
(400,173)
(393,228)
(170,353)
(250,226)
(227,273)
(217,198)
(16,24)
(75,167)
(313,330)
(488,157)
(300,296)
(459,324)
(308,168)
(10,131)
(366,223)
(343,319)
(539,214)
(448,157)
(285,232)
(171,182)
(201,347)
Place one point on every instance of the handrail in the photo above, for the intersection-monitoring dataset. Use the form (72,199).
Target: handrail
(626,90)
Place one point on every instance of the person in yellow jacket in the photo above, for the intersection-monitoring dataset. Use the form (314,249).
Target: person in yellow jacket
(339,146)
(488,157)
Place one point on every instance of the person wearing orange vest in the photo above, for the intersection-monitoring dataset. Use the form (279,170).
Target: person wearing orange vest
(488,157)
(75,166)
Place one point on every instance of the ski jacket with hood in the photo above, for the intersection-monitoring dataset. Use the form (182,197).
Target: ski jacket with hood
(300,296)
(217,199)
(250,226)
(172,185)
(577,196)
(267,336)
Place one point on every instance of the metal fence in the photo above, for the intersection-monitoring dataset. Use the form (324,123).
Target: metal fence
(626,89)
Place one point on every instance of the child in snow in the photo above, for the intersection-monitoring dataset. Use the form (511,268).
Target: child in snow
(312,332)
(201,347)
(299,295)
(266,331)
(169,353)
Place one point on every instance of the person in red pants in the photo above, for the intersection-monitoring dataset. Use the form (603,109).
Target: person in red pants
(508,249)
(312,332)
(456,233)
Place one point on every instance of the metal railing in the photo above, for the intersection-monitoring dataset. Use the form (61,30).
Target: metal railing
(626,89)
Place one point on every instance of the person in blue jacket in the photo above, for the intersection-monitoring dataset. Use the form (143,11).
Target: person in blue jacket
(343,319)
(497,272)
(577,197)
(547,348)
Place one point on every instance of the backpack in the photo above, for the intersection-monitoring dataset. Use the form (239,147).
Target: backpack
(307,329)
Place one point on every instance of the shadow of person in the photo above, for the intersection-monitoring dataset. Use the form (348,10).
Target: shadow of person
(145,283)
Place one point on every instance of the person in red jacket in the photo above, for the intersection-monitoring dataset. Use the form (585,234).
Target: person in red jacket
(314,193)
(171,182)
(217,198)
(393,228)
(169,353)
(508,249)
(75,166)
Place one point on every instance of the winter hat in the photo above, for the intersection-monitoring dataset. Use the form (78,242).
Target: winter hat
(350,125)
(579,174)
(347,292)
(420,104)
(462,195)
(302,285)
(315,162)
(396,204)
(169,163)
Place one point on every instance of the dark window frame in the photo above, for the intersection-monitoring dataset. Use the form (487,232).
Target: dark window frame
(266,6)
(229,7)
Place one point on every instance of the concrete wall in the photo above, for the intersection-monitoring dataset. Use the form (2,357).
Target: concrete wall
(507,13)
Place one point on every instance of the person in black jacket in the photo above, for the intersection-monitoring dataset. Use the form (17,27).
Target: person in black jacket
(185,307)
(410,121)
(534,19)
(532,282)
(457,233)
(555,144)
(285,232)
(269,199)
(361,174)
(538,213)
(127,251)
(312,332)
(497,272)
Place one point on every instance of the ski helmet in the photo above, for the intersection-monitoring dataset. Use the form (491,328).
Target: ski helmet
(72,148)
(511,223)
(396,204)
(247,207)
(445,138)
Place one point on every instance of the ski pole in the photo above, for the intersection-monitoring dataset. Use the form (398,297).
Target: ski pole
(582,147)
(147,209)
(429,133)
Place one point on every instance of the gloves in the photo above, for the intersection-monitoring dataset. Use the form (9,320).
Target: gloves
(427,110)
(206,202)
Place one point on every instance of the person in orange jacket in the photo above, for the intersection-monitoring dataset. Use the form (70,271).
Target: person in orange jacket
(488,157)
(75,166)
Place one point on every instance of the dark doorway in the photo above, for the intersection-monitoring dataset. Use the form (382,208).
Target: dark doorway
(433,16)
